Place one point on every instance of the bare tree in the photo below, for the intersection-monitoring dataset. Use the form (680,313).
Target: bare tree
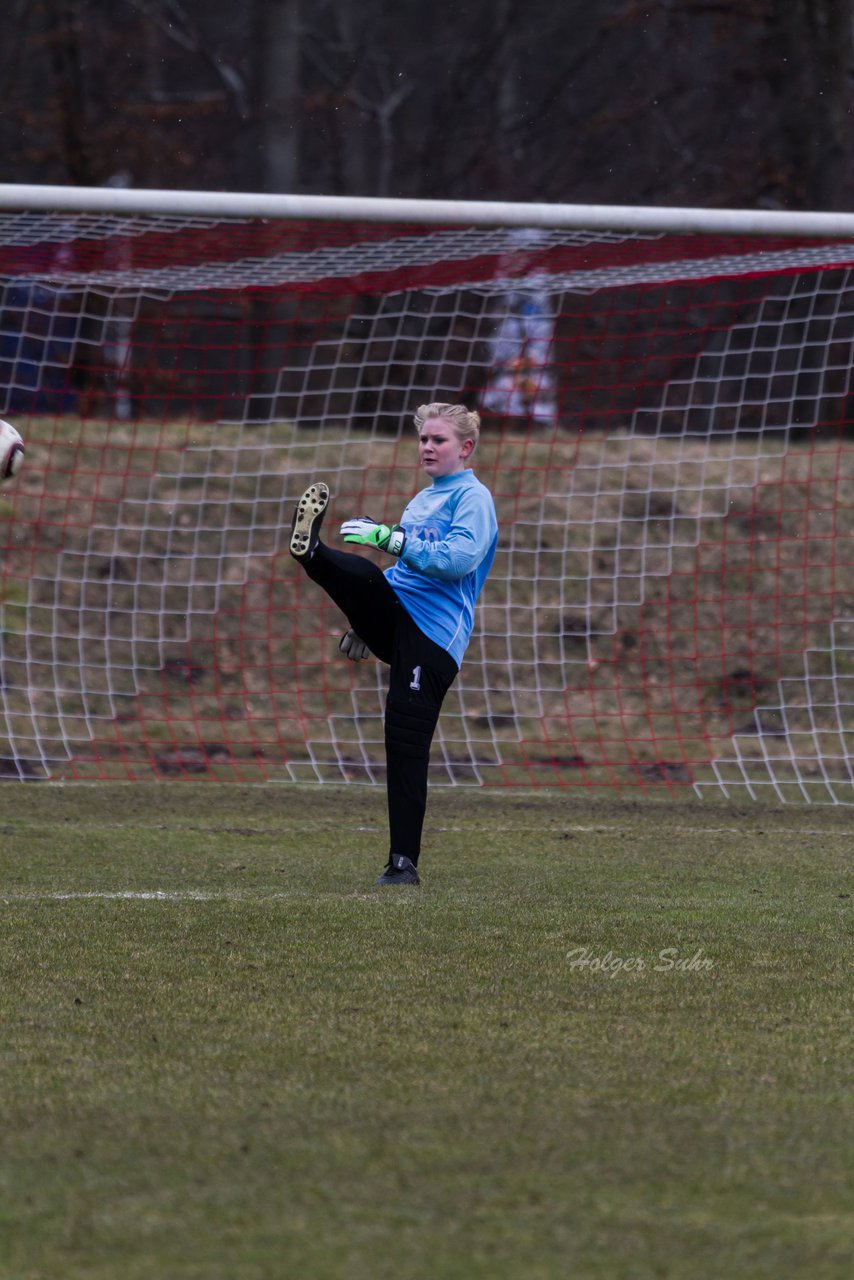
(810,46)
(359,83)
(66,45)
(276,43)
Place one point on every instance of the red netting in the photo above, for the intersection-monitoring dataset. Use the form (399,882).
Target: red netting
(667,432)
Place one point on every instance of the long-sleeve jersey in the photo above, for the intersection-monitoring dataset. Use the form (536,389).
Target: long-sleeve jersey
(451,536)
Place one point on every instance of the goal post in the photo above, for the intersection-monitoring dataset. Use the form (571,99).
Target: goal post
(668,430)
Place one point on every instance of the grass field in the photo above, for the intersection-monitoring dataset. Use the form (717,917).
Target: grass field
(226,1055)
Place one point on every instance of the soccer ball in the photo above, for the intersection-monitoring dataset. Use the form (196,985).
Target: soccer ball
(11,451)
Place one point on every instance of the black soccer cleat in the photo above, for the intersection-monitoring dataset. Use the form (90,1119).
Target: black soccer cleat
(308,517)
(399,870)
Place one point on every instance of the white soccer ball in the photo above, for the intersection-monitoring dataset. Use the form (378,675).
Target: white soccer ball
(11,451)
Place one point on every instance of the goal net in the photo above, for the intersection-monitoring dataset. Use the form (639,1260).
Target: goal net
(667,431)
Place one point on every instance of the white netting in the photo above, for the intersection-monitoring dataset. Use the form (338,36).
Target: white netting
(667,433)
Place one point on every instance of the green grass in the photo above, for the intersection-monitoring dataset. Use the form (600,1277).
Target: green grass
(279,1071)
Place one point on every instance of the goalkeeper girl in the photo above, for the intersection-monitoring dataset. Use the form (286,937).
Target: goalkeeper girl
(417,616)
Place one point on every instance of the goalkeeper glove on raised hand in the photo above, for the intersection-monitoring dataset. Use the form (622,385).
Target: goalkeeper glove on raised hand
(366,532)
(352,647)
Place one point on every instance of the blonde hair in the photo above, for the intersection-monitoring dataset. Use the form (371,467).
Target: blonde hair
(465,422)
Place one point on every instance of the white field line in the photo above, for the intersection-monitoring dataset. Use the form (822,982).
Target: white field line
(144,895)
(151,895)
(141,895)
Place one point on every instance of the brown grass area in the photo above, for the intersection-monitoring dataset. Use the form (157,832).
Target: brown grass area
(649,594)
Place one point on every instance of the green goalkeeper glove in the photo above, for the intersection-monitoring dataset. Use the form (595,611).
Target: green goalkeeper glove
(369,533)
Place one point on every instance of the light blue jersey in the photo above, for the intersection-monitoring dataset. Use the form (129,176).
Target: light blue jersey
(451,536)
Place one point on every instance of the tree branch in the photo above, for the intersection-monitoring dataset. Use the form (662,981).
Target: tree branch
(173,21)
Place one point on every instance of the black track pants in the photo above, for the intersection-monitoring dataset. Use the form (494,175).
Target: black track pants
(421,673)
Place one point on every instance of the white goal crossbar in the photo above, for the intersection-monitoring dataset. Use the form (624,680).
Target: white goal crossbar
(475,213)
